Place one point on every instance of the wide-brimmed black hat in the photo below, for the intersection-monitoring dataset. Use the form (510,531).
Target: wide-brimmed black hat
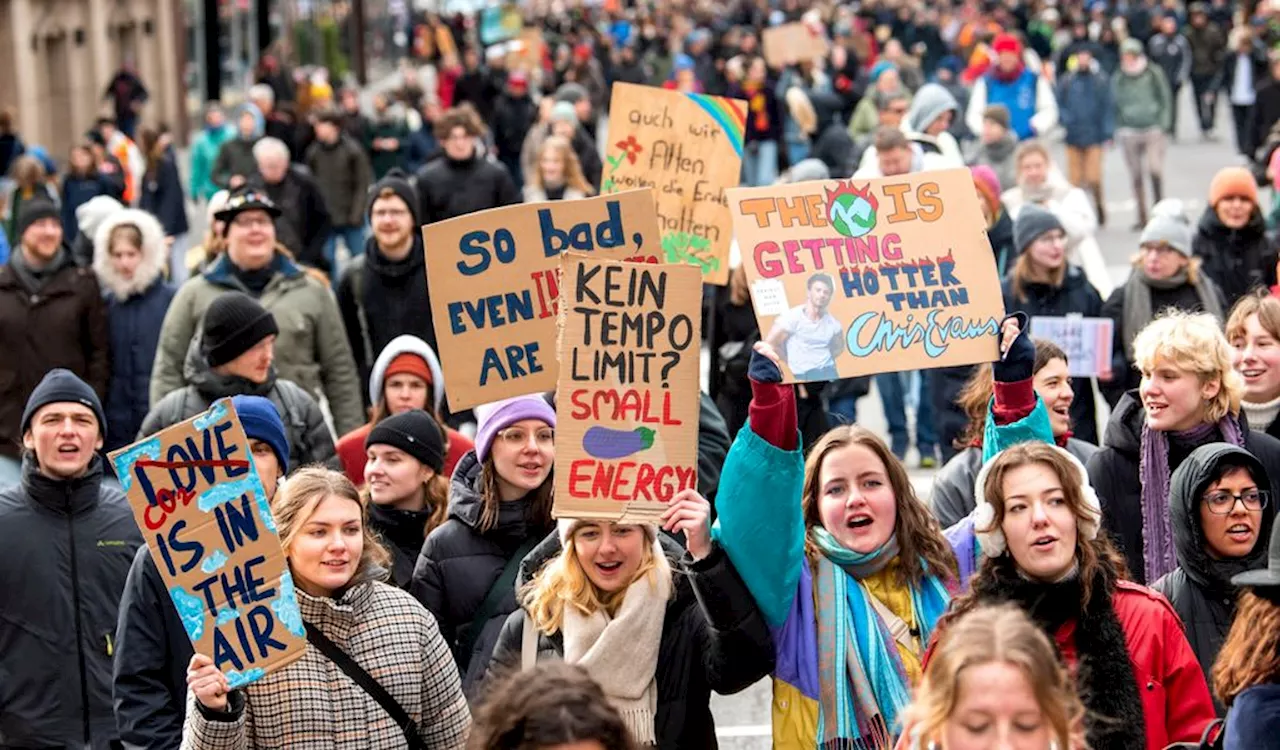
(247,199)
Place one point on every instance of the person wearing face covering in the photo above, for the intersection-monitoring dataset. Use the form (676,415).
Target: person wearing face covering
(1222,514)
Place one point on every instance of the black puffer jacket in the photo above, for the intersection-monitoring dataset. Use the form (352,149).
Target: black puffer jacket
(1076,295)
(1113,472)
(403,532)
(310,441)
(67,548)
(1124,376)
(1239,260)
(1200,587)
(152,651)
(713,638)
(448,188)
(459,564)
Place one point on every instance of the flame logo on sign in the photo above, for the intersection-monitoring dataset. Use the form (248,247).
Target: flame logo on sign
(852,211)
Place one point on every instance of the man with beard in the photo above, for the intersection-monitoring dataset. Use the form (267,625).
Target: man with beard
(384,294)
(807,335)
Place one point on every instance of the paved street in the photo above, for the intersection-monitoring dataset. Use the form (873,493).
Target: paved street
(742,720)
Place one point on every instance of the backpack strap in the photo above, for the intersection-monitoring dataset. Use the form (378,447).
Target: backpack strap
(528,644)
(357,290)
(469,634)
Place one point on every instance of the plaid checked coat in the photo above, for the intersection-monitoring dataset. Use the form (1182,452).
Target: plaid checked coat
(312,705)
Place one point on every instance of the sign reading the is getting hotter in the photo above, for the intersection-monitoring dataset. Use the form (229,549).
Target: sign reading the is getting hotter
(854,277)
(627,400)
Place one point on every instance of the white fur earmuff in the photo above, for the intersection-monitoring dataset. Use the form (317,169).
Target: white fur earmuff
(991,537)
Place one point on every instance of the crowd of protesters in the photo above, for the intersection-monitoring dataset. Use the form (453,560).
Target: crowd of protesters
(1066,584)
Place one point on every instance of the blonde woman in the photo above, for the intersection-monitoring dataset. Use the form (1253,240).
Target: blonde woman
(557,174)
(310,704)
(657,629)
(994,680)
(1254,332)
(1188,396)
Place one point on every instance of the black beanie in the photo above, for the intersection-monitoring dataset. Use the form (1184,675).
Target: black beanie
(32,211)
(1032,222)
(61,386)
(414,432)
(234,324)
(398,183)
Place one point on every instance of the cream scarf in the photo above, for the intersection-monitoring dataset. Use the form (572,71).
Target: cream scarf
(621,653)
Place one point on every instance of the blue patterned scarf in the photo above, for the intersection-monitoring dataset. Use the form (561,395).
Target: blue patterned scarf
(863,684)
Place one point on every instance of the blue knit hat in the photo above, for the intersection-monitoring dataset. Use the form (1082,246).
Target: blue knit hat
(879,68)
(262,422)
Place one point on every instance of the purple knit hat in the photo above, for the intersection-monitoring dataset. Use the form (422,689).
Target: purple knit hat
(500,415)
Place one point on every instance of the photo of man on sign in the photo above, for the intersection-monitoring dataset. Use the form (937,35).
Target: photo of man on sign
(808,336)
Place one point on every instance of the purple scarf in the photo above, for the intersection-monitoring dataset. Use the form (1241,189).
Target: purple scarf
(1158,555)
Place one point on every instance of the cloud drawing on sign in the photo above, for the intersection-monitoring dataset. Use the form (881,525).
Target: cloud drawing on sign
(238,679)
(127,458)
(227,615)
(216,414)
(606,442)
(264,507)
(190,611)
(286,607)
(227,491)
(214,562)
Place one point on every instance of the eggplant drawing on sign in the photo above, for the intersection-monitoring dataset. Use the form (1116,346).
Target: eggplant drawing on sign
(606,442)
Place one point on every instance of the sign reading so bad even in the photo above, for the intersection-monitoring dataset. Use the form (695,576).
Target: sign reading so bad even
(867,276)
(201,508)
(495,286)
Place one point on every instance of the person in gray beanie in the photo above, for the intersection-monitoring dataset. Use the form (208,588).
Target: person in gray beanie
(562,120)
(1165,275)
(1044,282)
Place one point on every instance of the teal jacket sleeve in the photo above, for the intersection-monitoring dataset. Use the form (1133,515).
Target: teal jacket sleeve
(1034,426)
(760,523)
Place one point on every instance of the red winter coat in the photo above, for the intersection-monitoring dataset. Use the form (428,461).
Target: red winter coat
(352,454)
(1175,699)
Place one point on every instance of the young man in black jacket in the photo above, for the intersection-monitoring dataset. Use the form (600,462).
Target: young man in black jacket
(462,182)
(67,540)
(150,678)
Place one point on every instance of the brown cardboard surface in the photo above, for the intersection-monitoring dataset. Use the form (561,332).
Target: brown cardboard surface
(913,281)
(200,506)
(494,279)
(627,400)
(688,148)
(790,43)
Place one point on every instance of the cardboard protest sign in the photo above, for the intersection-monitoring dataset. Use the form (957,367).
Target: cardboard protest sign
(500,23)
(627,400)
(201,508)
(866,276)
(1087,342)
(790,43)
(688,148)
(525,52)
(495,283)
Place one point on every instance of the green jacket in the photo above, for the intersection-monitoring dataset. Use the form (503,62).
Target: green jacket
(311,348)
(866,118)
(1143,101)
(204,152)
(383,161)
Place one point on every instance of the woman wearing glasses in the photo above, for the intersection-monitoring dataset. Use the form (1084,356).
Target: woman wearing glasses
(1221,511)
(499,509)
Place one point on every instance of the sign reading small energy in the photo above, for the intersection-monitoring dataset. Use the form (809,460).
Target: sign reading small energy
(202,510)
(495,285)
(627,401)
(859,277)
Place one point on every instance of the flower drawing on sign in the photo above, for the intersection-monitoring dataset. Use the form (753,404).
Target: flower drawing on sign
(852,212)
(683,247)
(607,442)
(630,147)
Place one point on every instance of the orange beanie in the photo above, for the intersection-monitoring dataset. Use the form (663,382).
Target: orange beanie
(1231,181)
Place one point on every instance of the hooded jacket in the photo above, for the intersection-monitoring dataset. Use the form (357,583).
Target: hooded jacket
(713,638)
(1143,99)
(62,325)
(351,450)
(459,564)
(1200,588)
(135,311)
(310,441)
(1113,471)
(1239,260)
(311,349)
(68,546)
(382,299)
(89,216)
(1076,295)
(931,101)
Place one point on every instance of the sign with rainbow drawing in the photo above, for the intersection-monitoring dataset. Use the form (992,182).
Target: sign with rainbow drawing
(202,510)
(688,148)
(627,398)
(866,276)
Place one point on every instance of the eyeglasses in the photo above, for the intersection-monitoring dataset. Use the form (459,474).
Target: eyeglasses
(518,437)
(252,220)
(1157,248)
(1222,503)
